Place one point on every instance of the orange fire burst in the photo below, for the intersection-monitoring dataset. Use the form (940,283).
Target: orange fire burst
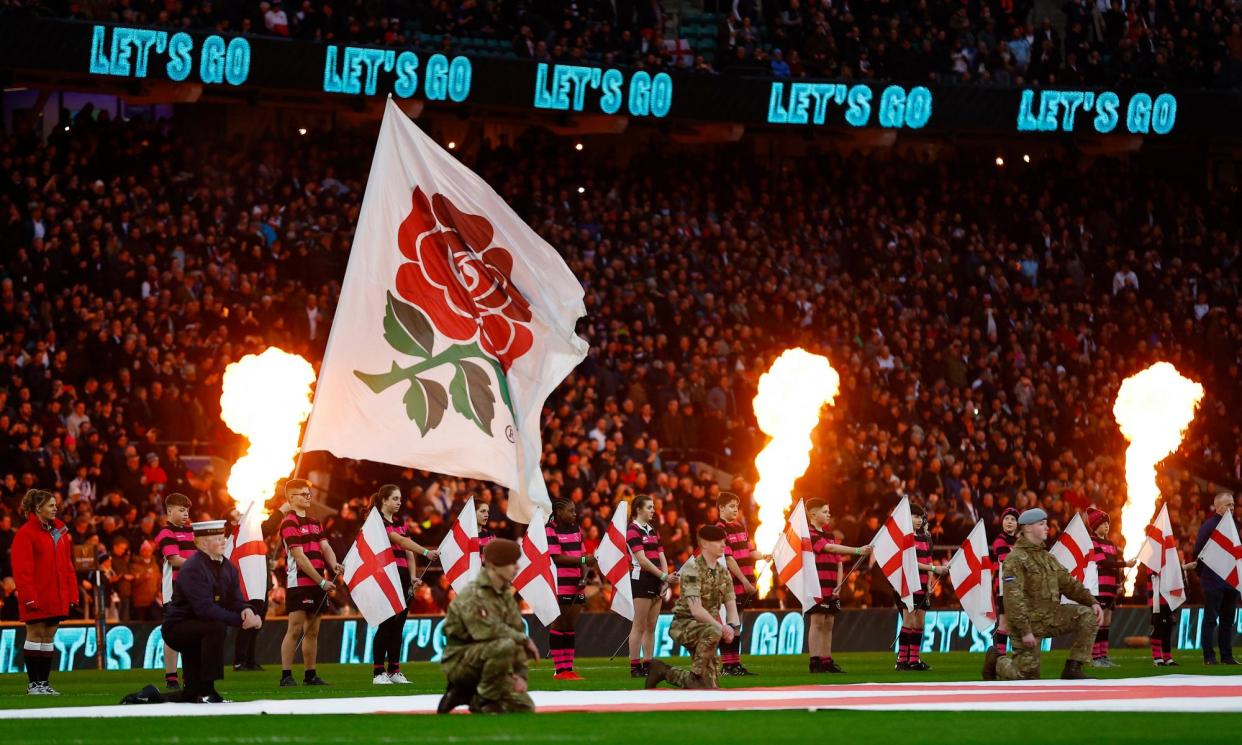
(266,398)
(1153,410)
(791,394)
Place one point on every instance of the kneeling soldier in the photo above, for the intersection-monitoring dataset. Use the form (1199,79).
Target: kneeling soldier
(486,649)
(706,585)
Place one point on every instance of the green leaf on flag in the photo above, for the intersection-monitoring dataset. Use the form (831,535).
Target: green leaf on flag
(406,329)
(471,391)
(425,402)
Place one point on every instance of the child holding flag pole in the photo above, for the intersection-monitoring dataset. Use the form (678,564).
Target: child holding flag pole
(822,616)
(387,644)
(910,640)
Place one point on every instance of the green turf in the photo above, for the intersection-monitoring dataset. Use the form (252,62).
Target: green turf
(88,687)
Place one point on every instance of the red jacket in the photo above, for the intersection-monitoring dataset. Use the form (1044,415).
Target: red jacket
(43,570)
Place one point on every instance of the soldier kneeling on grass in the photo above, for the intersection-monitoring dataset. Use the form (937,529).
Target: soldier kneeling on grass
(1033,583)
(486,648)
(706,585)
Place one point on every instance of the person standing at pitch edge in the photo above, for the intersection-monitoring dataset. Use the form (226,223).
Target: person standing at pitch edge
(47,587)
(206,601)
(307,558)
(706,585)
(1220,600)
(740,557)
(486,649)
(1033,583)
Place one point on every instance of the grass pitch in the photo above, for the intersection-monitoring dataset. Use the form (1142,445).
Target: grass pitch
(92,688)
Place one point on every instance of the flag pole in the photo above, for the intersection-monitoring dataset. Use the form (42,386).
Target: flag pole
(841,582)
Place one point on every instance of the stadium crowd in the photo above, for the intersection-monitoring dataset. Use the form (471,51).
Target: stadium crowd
(981,317)
(1195,43)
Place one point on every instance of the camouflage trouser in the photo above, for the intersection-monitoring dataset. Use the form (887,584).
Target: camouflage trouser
(702,640)
(489,667)
(1024,663)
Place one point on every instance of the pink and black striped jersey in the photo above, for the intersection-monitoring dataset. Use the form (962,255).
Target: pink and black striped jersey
(304,533)
(171,541)
(644,540)
(486,536)
(1110,565)
(565,540)
(827,565)
(396,527)
(922,550)
(1000,549)
(739,546)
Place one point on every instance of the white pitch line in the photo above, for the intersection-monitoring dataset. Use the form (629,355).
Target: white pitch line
(1172,693)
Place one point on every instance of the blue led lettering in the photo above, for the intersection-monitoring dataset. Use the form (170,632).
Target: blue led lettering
(918,107)
(858,106)
(237,61)
(610,101)
(764,629)
(640,94)
(1106,107)
(118,641)
(349,641)
(1026,120)
(1163,114)
(661,94)
(1138,114)
(436,85)
(179,65)
(8,651)
(459,76)
(1072,101)
(211,63)
(791,634)
(407,75)
(153,653)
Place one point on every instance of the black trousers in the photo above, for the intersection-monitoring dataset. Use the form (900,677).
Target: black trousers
(1219,609)
(386,647)
(243,646)
(201,644)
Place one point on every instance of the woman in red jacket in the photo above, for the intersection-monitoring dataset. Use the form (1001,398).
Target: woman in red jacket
(47,586)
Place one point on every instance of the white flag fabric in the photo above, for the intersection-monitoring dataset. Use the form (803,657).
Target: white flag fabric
(536,577)
(1074,550)
(248,552)
(459,551)
(895,553)
(371,572)
(613,559)
(971,572)
(1223,552)
(1159,554)
(454,324)
(795,561)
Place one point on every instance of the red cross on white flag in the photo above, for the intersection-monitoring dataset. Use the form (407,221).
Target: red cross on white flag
(371,573)
(459,551)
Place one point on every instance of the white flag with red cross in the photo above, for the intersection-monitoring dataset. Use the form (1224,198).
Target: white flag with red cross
(613,559)
(536,577)
(896,555)
(459,551)
(371,573)
(455,322)
(1223,552)
(794,559)
(971,570)
(1159,554)
(1074,550)
(248,552)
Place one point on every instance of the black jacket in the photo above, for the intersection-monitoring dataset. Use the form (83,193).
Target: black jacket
(206,590)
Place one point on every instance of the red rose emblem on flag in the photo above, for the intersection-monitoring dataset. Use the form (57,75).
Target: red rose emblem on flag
(460,280)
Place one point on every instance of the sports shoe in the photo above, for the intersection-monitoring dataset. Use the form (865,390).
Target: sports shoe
(567,675)
(1099,662)
(287,681)
(398,678)
(172,685)
(315,681)
(40,689)
(1171,663)
(740,669)
(919,666)
(1110,662)
(646,668)
(902,666)
(729,670)
(214,698)
(380,680)
(1158,663)
(1229,661)
(637,672)
(832,667)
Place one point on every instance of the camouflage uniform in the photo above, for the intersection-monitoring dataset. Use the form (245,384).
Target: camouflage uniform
(485,645)
(1033,583)
(713,585)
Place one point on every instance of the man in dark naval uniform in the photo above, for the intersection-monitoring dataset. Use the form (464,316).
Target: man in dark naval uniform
(206,602)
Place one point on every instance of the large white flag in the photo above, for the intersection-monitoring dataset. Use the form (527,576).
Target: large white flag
(536,577)
(459,551)
(1223,552)
(896,555)
(970,570)
(246,549)
(613,559)
(1159,554)
(1074,550)
(371,573)
(795,561)
(454,324)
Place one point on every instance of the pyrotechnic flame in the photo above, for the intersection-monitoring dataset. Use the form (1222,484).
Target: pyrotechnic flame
(266,398)
(1153,410)
(791,394)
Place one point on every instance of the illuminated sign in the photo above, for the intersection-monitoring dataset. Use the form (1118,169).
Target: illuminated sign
(1066,111)
(809,103)
(356,70)
(130,52)
(565,88)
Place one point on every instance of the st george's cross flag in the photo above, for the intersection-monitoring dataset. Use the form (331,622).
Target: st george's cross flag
(455,322)
(1074,550)
(536,574)
(613,559)
(971,570)
(371,573)
(459,551)
(896,555)
(248,552)
(794,561)
(1223,552)
(1159,554)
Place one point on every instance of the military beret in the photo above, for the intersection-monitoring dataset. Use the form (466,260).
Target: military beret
(501,552)
(711,533)
(1032,516)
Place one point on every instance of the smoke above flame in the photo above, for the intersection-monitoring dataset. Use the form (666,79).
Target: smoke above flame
(265,399)
(1153,410)
(787,407)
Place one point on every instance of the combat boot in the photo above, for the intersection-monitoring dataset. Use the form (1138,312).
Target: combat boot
(453,697)
(1073,671)
(657,674)
(989,664)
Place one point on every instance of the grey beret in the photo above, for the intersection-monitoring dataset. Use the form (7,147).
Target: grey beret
(1032,516)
